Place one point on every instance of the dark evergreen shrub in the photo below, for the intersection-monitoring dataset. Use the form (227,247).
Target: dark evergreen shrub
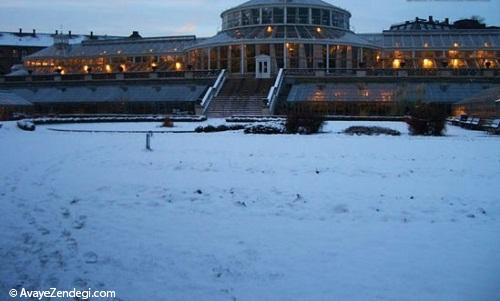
(427,120)
(304,122)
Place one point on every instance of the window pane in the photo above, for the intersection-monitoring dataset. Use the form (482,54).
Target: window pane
(291,17)
(278,15)
(255,16)
(234,19)
(304,15)
(325,17)
(267,15)
(337,19)
(246,17)
(316,16)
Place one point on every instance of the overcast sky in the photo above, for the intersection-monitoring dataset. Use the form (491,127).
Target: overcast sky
(202,17)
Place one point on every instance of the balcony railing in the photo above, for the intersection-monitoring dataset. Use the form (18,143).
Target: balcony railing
(111,76)
(394,72)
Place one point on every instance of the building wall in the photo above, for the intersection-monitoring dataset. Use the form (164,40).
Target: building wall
(13,55)
(487,109)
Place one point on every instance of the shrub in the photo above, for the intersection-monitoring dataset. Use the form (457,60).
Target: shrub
(168,123)
(370,130)
(266,129)
(26,125)
(220,128)
(427,120)
(304,122)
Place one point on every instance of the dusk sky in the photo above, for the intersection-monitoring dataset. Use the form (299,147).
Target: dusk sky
(202,17)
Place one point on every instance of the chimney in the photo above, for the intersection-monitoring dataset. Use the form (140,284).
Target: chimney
(57,32)
(69,33)
(431,19)
(447,21)
(20,31)
(91,35)
(135,35)
(34,32)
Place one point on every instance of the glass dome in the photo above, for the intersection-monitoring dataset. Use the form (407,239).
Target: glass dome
(290,12)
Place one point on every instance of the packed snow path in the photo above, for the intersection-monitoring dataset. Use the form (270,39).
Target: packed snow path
(228,216)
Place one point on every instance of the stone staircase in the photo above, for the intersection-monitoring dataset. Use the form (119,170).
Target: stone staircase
(242,96)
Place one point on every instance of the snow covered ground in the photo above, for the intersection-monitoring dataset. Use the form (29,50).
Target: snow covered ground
(229,216)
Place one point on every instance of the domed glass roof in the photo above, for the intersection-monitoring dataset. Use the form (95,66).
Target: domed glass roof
(288,2)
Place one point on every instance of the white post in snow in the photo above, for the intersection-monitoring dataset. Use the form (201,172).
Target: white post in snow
(148,141)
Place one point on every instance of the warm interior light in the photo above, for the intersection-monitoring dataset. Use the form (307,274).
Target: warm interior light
(396,64)
(178,66)
(455,63)
(378,57)
(455,44)
(489,64)
(428,63)
(62,72)
(269,29)
(318,30)
(108,68)
(86,68)
(123,67)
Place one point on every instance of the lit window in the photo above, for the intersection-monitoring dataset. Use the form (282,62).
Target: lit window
(269,29)
(108,68)
(396,64)
(318,30)
(427,63)
(178,66)
(456,45)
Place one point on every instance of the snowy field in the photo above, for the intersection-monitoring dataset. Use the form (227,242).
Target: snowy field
(229,216)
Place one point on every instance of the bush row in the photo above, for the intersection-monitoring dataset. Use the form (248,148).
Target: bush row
(220,128)
(370,131)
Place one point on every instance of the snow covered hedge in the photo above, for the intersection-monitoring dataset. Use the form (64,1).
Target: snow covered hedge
(26,125)
(249,119)
(118,118)
(220,128)
(266,129)
(370,131)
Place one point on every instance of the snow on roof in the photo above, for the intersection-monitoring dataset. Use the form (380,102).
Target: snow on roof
(11,99)
(30,40)
(39,39)
(126,46)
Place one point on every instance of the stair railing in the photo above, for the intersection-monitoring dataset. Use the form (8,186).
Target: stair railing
(214,90)
(272,97)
